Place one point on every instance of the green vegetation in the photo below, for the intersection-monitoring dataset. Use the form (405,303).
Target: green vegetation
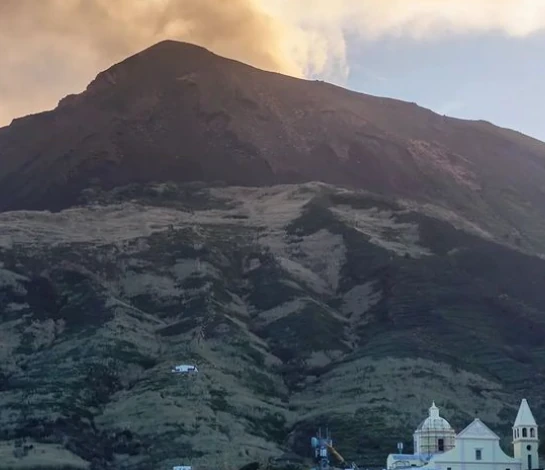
(219,401)
(269,426)
(311,329)
(308,315)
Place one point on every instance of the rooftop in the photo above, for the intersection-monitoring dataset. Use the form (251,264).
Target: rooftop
(434,421)
(524,415)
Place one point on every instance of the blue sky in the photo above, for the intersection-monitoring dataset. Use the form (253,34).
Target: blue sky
(476,76)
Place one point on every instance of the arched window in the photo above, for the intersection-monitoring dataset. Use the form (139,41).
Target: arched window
(532,432)
(524,432)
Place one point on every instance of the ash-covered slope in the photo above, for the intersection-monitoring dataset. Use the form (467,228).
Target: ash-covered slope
(178,112)
(302,305)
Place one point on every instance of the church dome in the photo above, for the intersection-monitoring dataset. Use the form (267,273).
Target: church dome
(434,422)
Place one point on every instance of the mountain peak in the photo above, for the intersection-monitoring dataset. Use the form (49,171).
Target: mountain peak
(166,59)
(177,112)
(171,50)
(173,46)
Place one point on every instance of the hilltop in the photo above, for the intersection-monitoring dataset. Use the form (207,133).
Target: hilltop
(177,112)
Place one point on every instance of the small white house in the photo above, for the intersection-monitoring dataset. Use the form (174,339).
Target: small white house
(185,369)
(182,467)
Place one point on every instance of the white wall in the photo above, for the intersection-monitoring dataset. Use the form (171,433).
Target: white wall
(463,457)
(407,460)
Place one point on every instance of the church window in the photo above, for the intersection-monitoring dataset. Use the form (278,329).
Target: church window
(440,445)
(524,432)
(532,432)
(478,454)
(528,447)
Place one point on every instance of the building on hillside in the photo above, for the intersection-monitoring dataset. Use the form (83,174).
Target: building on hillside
(185,369)
(477,447)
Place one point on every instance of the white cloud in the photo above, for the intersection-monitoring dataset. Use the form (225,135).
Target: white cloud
(55,47)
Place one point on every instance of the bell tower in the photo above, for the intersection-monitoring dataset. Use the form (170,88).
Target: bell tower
(525,438)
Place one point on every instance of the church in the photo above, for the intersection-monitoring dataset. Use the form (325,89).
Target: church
(477,447)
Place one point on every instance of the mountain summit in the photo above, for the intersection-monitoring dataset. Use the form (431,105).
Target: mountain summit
(177,112)
(304,305)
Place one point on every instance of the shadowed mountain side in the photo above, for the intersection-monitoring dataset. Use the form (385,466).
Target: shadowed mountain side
(178,112)
(302,305)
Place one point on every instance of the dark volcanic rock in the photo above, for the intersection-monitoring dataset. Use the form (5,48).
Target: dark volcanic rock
(178,112)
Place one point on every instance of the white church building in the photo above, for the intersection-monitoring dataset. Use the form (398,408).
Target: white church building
(438,447)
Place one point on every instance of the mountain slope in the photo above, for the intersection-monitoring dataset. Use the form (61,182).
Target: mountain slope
(302,305)
(178,112)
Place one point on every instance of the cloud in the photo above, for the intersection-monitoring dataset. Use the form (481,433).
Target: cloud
(418,18)
(54,47)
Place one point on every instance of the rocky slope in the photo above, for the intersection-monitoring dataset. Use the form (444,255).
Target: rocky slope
(302,305)
(178,112)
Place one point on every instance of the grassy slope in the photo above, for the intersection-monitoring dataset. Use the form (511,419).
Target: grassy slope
(309,306)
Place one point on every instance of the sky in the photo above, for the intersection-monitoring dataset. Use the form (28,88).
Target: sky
(475,59)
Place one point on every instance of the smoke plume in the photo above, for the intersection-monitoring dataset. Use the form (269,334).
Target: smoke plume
(49,48)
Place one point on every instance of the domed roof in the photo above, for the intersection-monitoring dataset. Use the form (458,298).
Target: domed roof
(434,422)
